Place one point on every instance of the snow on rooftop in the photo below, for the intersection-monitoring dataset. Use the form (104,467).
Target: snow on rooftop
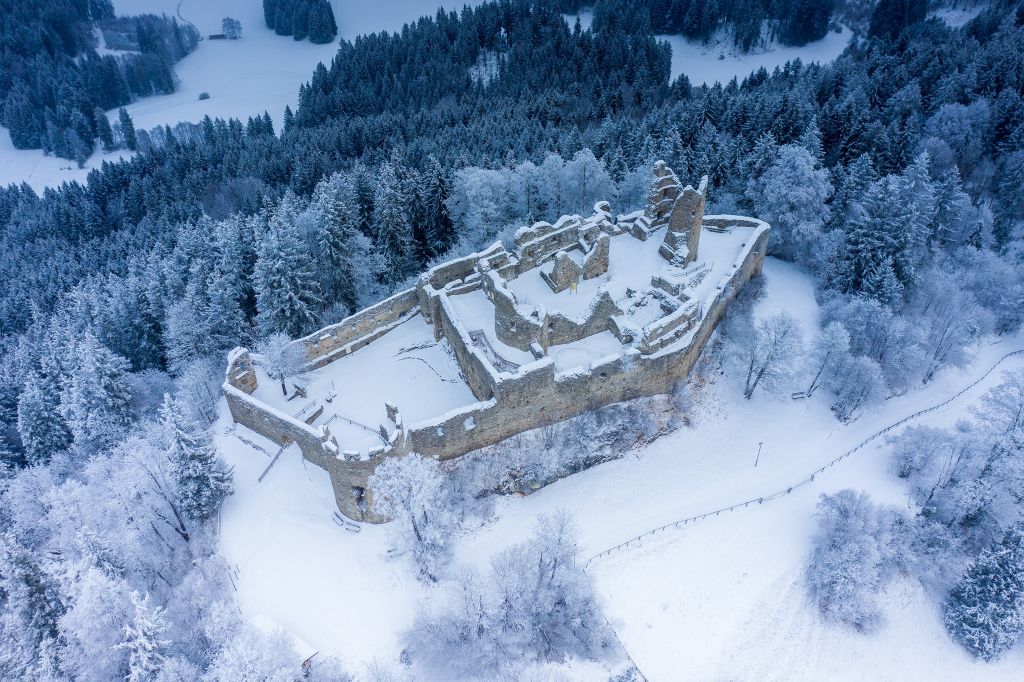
(406,367)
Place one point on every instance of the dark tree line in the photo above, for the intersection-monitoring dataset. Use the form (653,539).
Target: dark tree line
(55,87)
(301,19)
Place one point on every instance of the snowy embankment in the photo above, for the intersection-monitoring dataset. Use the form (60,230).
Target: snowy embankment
(719,599)
(261,72)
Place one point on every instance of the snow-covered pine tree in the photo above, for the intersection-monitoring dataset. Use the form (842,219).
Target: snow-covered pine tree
(127,129)
(103,129)
(985,611)
(143,639)
(202,480)
(870,239)
(8,458)
(96,400)
(336,216)
(32,599)
(810,140)
(913,211)
(393,233)
(287,295)
(436,189)
(40,426)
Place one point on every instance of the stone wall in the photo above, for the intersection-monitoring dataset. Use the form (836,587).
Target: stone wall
(352,333)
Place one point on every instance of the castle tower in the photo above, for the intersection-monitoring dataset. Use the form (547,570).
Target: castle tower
(665,190)
(683,235)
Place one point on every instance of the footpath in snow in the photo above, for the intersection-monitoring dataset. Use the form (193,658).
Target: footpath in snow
(719,599)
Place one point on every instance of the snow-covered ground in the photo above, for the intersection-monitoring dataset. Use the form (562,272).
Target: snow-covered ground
(720,62)
(961,12)
(721,599)
(261,72)
(406,367)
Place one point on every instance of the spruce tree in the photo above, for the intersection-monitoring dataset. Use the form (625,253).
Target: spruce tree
(103,130)
(127,129)
(96,400)
(439,229)
(201,480)
(8,458)
(21,118)
(143,639)
(287,295)
(391,222)
(32,598)
(336,232)
(985,611)
(40,426)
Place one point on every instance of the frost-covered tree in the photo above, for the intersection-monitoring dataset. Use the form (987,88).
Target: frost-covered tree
(949,318)
(287,294)
(411,490)
(96,399)
(850,559)
(202,480)
(587,181)
(94,625)
(969,478)
(40,426)
(879,333)
(280,357)
(144,640)
(393,236)
(985,611)
(768,352)
(231,28)
(856,382)
(828,350)
(791,195)
(536,603)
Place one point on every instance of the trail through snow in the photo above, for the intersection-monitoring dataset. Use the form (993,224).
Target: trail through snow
(716,600)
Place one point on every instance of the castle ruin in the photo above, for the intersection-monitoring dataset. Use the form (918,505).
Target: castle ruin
(579,314)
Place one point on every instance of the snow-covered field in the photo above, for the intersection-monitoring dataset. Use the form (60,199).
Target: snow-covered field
(721,599)
(718,62)
(961,12)
(261,72)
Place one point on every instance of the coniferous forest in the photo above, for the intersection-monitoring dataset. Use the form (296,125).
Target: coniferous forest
(54,85)
(893,174)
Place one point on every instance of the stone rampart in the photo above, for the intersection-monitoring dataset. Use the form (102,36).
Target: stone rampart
(352,333)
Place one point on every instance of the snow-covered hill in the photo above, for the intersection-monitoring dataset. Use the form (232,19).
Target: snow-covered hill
(721,599)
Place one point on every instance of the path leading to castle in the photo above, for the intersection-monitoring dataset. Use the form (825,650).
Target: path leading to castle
(723,598)
(718,599)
